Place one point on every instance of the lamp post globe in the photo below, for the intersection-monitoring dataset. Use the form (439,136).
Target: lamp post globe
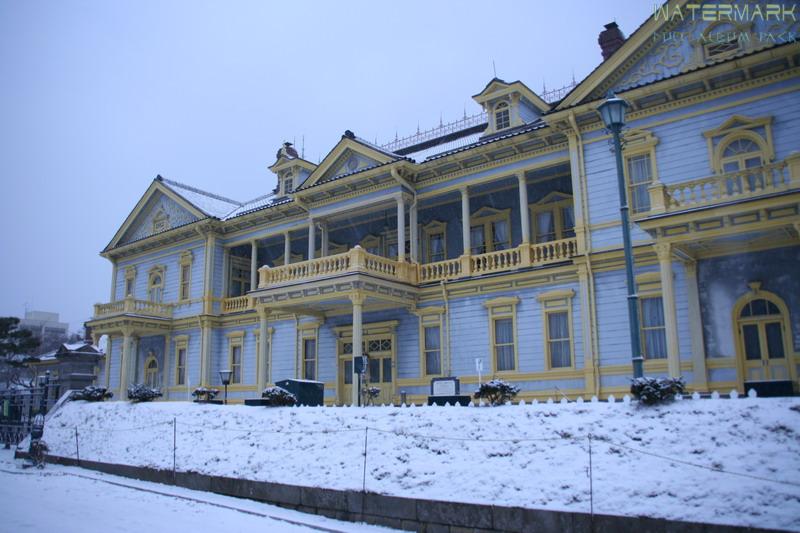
(225,377)
(612,111)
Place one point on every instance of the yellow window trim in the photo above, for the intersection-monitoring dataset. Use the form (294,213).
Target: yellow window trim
(236,339)
(427,320)
(637,143)
(485,217)
(557,301)
(181,343)
(739,127)
(186,260)
(434,227)
(554,202)
(501,308)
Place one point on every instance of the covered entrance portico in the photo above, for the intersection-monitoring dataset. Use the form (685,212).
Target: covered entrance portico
(363,286)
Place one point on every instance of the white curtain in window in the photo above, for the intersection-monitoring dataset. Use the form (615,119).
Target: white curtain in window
(504,341)
(437,247)
(568,221)
(545,230)
(476,240)
(500,230)
(558,333)
(655,339)
(433,363)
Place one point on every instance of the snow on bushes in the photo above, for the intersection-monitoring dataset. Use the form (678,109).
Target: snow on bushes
(142,393)
(652,391)
(204,394)
(496,392)
(92,394)
(278,397)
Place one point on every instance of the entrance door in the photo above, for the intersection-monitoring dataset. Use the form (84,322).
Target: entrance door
(762,344)
(380,373)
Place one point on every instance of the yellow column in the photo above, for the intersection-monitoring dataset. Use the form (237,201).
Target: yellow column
(208,304)
(413,232)
(109,345)
(699,372)
(664,252)
(312,238)
(113,280)
(205,354)
(124,363)
(253,265)
(465,236)
(287,248)
(401,229)
(524,214)
(165,370)
(358,302)
(589,363)
(263,340)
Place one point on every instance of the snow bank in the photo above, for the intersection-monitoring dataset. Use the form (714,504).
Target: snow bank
(676,461)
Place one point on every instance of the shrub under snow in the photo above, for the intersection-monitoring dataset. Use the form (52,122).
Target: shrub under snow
(142,393)
(653,391)
(496,392)
(278,397)
(92,394)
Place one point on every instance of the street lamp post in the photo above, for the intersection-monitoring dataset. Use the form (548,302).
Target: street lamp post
(225,377)
(612,112)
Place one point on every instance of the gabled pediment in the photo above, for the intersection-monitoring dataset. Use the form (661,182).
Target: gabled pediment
(498,88)
(554,197)
(677,37)
(350,155)
(159,209)
(738,122)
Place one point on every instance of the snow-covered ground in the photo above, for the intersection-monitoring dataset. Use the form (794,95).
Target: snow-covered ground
(71,500)
(733,461)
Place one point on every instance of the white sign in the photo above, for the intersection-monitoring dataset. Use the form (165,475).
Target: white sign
(444,387)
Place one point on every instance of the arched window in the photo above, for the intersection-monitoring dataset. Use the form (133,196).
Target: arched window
(155,287)
(151,372)
(502,116)
(743,155)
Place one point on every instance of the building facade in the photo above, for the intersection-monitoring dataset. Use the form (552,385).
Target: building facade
(495,242)
(43,323)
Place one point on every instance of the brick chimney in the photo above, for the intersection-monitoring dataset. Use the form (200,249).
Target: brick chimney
(610,39)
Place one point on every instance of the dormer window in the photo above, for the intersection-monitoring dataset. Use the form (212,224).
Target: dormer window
(288,184)
(502,116)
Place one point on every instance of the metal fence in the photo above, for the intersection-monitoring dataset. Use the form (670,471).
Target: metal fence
(19,406)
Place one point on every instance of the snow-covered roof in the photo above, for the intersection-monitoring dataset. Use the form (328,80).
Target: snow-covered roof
(255,204)
(211,204)
(425,153)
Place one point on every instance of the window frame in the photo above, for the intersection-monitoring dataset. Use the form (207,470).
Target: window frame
(157,272)
(639,143)
(500,309)
(558,301)
(737,127)
(185,276)
(243,265)
(485,217)
(431,317)
(648,285)
(429,230)
(287,178)
(236,340)
(151,358)
(499,108)
(556,202)
(308,331)
(129,286)
(181,343)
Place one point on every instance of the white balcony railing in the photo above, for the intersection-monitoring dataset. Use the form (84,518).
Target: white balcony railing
(133,306)
(750,183)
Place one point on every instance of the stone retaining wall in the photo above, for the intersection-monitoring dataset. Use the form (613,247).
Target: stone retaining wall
(411,514)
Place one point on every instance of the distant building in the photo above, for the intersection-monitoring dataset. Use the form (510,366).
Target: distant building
(71,366)
(42,323)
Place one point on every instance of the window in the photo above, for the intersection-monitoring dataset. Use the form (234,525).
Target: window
(151,371)
(433,350)
(288,184)
(742,154)
(557,313)
(502,329)
(435,241)
(180,366)
(654,335)
(155,285)
(553,218)
(559,343)
(640,177)
(490,230)
(502,116)
(310,359)
(239,280)
(130,281)
(372,244)
(185,291)
(740,143)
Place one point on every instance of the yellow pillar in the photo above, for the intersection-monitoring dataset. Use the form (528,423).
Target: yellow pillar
(358,302)
(312,238)
(253,265)
(413,232)
(401,229)
(124,363)
(664,252)
(263,347)
(590,376)
(287,248)
(465,235)
(524,214)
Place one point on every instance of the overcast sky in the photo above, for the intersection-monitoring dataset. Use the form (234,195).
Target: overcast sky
(98,97)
